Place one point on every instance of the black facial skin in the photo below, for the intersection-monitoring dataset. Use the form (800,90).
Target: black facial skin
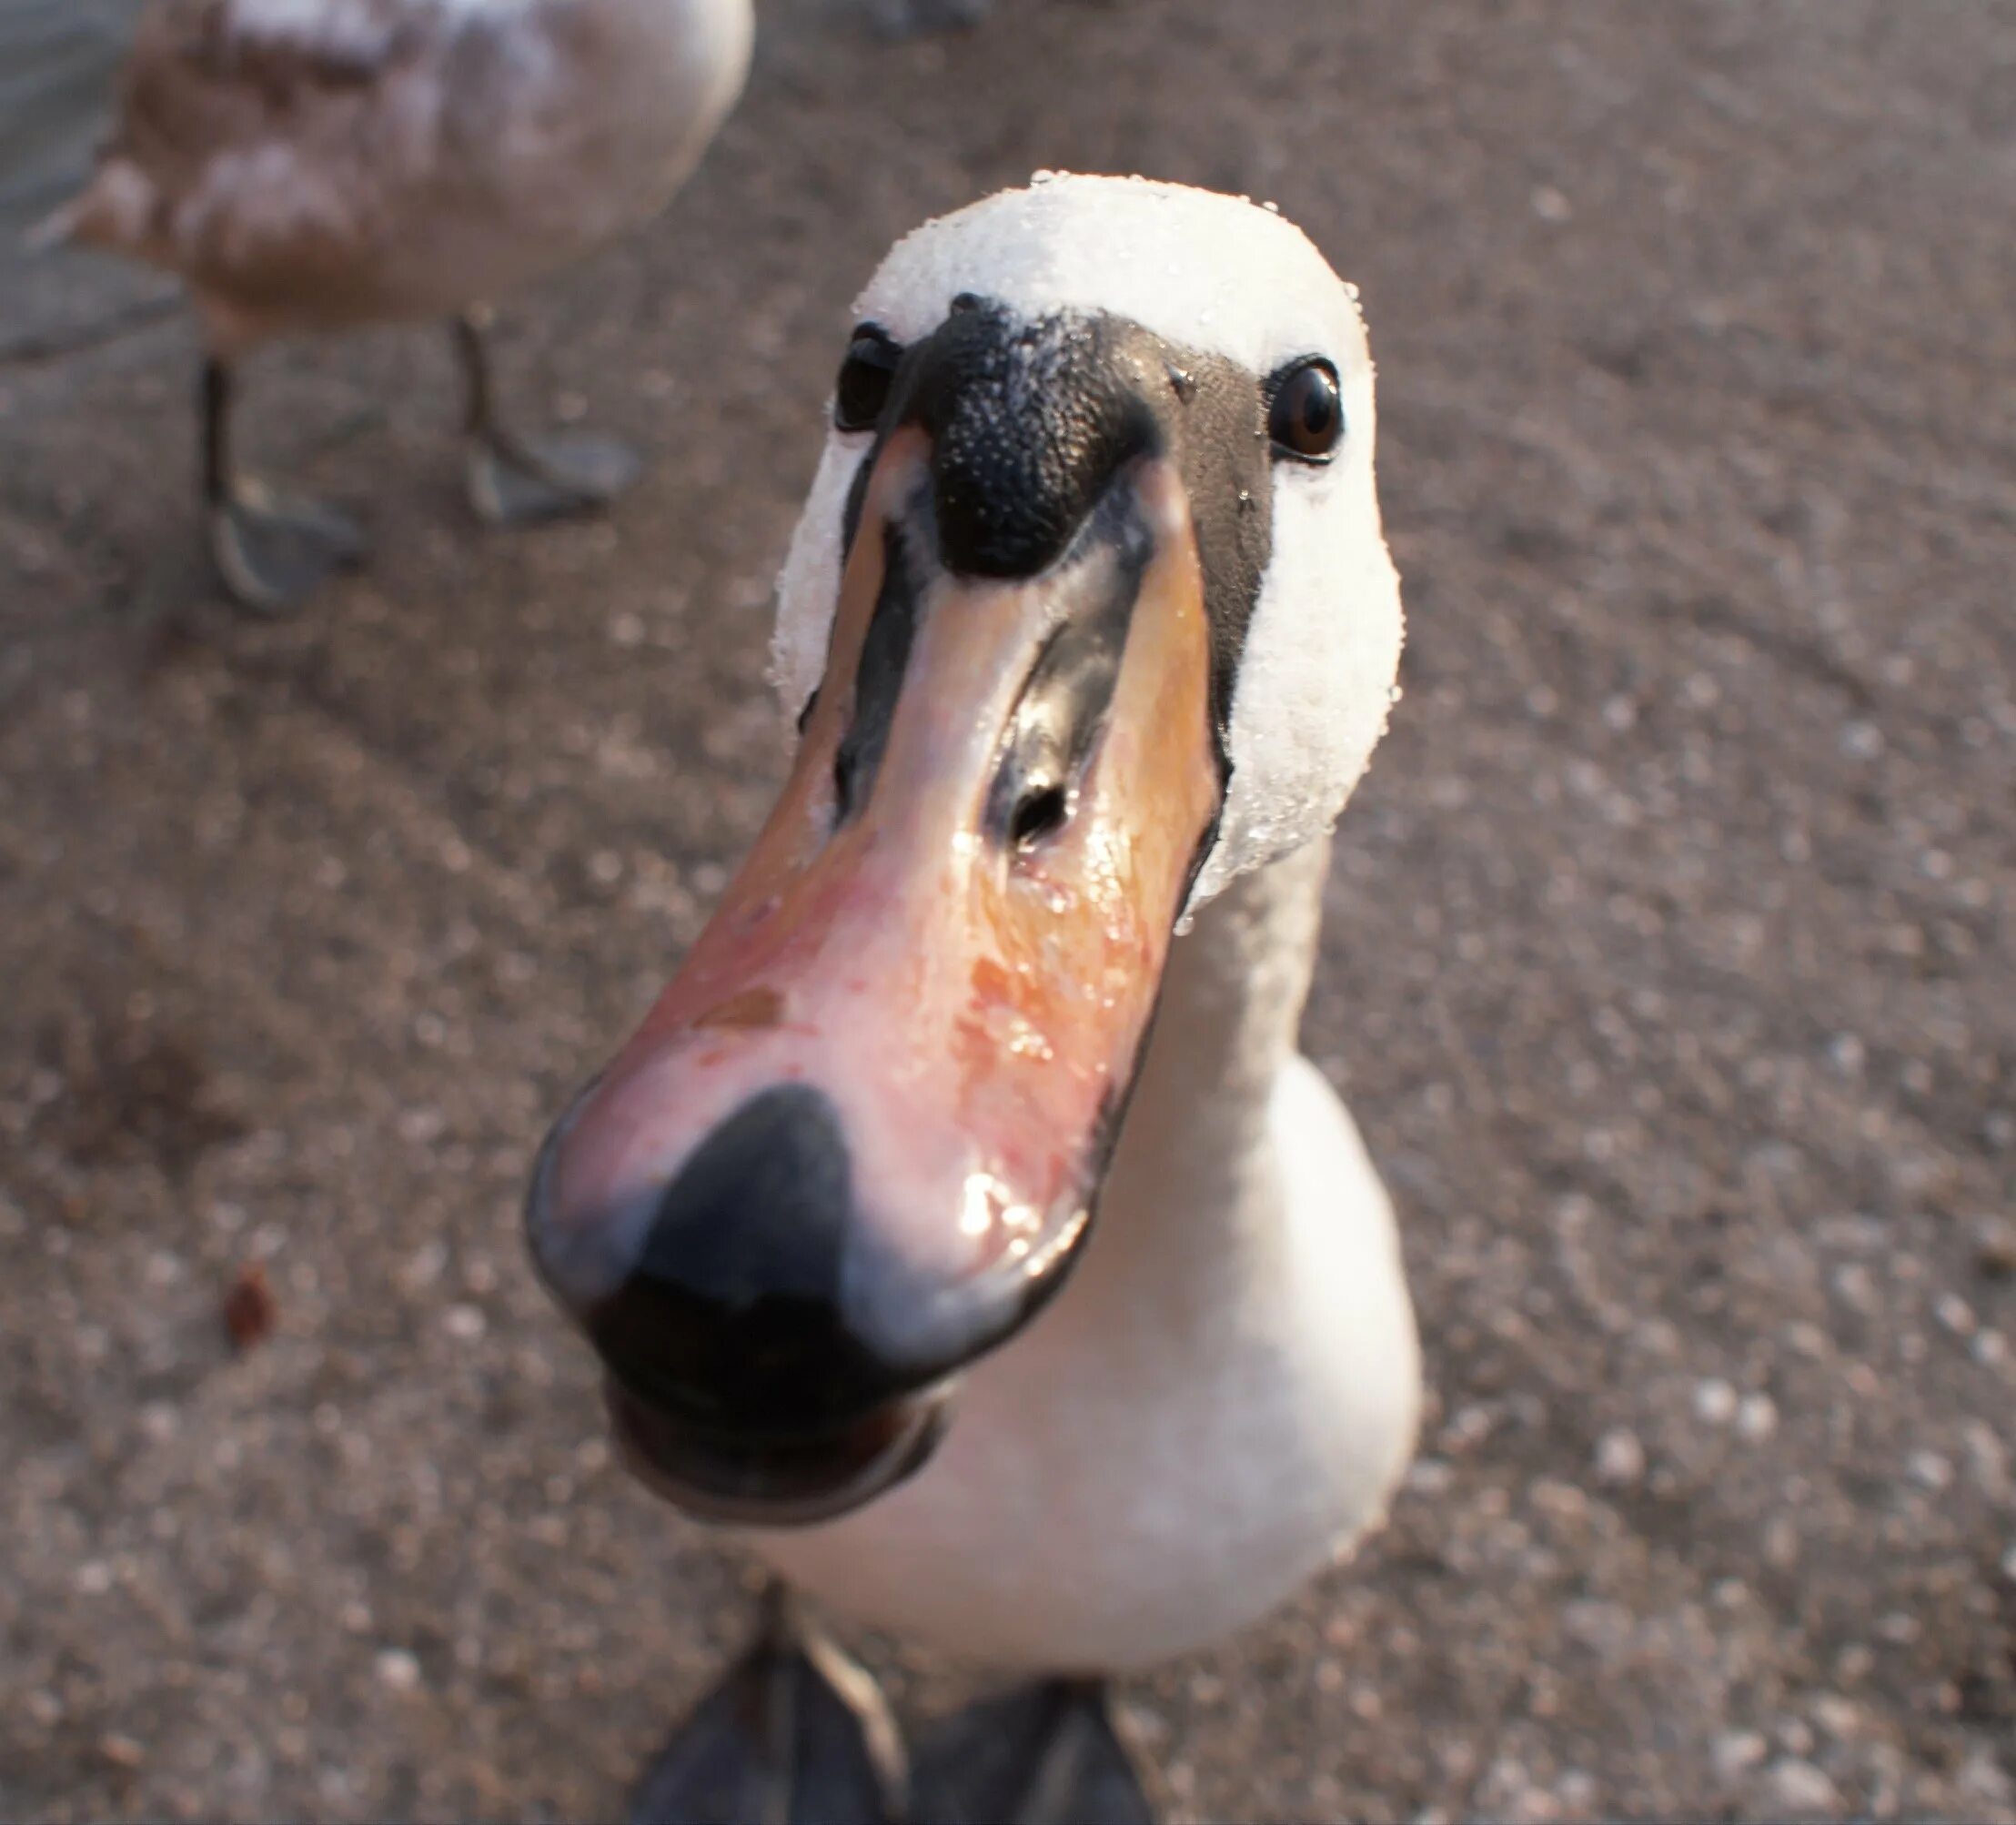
(878,678)
(1030,421)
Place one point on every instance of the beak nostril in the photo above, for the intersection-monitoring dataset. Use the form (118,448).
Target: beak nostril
(1040,812)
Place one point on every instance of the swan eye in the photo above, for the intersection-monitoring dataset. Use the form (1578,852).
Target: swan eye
(862,389)
(1305,411)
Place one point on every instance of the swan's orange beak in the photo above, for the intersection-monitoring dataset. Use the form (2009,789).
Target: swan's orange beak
(859,1139)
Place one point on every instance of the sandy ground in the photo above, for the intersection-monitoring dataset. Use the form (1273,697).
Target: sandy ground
(1667,969)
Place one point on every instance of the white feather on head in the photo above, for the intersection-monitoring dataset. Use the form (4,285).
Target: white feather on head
(1216,274)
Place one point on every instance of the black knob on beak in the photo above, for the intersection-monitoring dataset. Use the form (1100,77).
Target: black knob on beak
(731,1319)
(1029,424)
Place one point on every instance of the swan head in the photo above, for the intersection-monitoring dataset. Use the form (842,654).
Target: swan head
(1089,612)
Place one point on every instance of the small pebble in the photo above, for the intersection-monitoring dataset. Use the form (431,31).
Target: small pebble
(1955,1314)
(397,1670)
(1738,1751)
(1756,1419)
(1808,1339)
(249,1309)
(1715,1402)
(1798,1786)
(1932,1471)
(1619,1457)
(422,1124)
(1576,1790)
(423,1268)
(1839,1718)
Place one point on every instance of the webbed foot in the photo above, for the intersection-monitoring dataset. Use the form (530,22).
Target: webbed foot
(1048,1754)
(520,481)
(274,552)
(796,1734)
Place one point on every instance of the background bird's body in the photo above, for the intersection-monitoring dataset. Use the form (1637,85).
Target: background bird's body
(318,167)
(321,164)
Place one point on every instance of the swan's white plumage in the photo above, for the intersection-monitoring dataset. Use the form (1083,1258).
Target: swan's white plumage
(1224,1394)
(1223,276)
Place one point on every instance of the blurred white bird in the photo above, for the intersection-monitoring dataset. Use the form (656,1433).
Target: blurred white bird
(320,165)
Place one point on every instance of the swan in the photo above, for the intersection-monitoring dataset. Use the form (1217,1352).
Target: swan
(1090,628)
(312,166)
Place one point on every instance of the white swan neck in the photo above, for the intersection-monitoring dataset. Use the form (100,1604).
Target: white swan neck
(1231,1009)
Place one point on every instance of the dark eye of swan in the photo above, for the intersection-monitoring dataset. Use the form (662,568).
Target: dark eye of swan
(862,389)
(1305,411)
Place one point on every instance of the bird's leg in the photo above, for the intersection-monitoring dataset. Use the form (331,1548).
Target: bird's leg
(1047,1754)
(272,552)
(795,1732)
(516,480)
